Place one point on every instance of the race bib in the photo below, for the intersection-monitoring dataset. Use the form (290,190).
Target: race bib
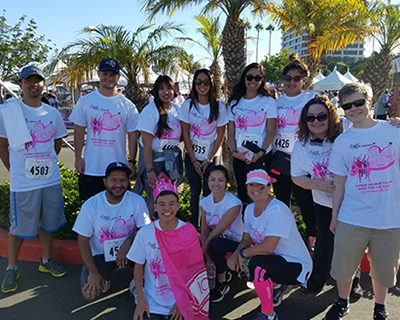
(168,144)
(254,138)
(38,168)
(201,149)
(284,142)
(111,248)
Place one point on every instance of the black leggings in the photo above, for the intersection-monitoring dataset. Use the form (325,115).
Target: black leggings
(283,188)
(218,248)
(276,268)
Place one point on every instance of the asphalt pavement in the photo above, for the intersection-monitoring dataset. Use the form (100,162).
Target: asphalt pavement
(41,296)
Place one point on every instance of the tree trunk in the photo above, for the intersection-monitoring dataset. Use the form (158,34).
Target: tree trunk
(313,67)
(377,73)
(137,95)
(217,74)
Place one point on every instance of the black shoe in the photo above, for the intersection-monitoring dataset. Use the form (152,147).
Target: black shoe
(219,292)
(337,311)
(381,314)
(279,293)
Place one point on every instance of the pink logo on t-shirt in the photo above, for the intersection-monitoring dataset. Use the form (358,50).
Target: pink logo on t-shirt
(320,168)
(379,159)
(204,128)
(251,119)
(214,220)
(258,237)
(40,134)
(108,123)
(156,268)
(173,134)
(121,229)
(290,118)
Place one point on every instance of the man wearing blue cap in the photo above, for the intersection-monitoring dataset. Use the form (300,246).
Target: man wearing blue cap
(30,139)
(106,226)
(107,116)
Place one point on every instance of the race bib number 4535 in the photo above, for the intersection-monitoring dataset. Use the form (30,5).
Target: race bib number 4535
(38,168)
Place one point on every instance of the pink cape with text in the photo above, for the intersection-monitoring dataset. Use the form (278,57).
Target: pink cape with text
(184,265)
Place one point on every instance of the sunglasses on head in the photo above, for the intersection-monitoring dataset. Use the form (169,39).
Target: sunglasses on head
(356,103)
(249,77)
(320,118)
(198,82)
(290,78)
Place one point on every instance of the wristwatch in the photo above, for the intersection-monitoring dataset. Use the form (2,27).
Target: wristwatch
(263,150)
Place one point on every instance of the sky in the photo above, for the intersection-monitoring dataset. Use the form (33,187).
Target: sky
(61,21)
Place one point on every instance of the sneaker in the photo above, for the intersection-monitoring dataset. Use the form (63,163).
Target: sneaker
(52,267)
(337,311)
(279,293)
(381,314)
(10,280)
(107,286)
(262,316)
(229,276)
(219,292)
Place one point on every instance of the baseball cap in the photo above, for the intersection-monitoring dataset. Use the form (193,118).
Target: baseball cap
(109,64)
(259,176)
(118,166)
(29,71)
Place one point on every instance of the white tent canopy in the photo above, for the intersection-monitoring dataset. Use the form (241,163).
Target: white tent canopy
(350,76)
(318,77)
(334,81)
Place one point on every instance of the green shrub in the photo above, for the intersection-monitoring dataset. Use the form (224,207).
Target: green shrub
(5,205)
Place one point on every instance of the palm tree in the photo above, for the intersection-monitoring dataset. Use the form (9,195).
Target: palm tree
(327,25)
(258,27)
(233,42)
(377,71)
(134,52)
(270,29)
(210,31)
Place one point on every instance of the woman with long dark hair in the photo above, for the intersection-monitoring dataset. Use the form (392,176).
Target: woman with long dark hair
(203,121)
(160,133)
(251,128)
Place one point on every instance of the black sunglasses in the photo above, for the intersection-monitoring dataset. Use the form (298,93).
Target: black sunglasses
(249,77)
(356,103)
(290,78)
(320,117)
(206,82)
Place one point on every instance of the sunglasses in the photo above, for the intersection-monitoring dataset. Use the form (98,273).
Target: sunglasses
(290,78)
(206,82)
(320,118)
(356,103)
(249,77)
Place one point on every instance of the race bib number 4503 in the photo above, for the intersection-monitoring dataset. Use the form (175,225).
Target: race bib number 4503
(38,168)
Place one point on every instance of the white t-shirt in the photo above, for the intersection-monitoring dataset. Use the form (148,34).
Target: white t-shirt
(107,119)
(215,212)
(148,121)
(289,111)
(102,221)
(202,133)
(36,166)
(250,118)
(312,158)
(145,250)
(278,221)
(369,158)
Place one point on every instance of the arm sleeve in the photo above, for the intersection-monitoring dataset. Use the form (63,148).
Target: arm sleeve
(77,116)
(271,110)
(337,163)
(132,117)
(278,225)
(148,119)
(84,222)
(3,133)
(143,217)
(223,115)
(297,161)
(183,112)
(137,251)
(61,131)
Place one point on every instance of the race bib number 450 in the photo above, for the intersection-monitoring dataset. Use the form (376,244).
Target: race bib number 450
(111,248)
(38,168)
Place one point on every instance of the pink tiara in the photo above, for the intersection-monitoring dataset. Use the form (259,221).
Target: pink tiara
(164,183)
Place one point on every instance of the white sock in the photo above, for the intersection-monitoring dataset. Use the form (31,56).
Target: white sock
(45,261)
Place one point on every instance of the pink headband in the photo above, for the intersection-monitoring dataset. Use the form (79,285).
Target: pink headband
(259,176)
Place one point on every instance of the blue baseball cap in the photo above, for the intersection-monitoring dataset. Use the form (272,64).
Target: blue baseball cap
(29,71)
(109,64)
(118,166)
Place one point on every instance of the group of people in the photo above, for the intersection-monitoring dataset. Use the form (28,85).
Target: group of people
(342,172)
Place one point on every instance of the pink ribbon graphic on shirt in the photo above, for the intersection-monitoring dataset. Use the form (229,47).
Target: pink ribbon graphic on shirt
(290,118)
(204,128)
(320,169)
(251,119)
(174,133)
(120,229)
(40,134)
(379,159)
(109,122)
(259,237)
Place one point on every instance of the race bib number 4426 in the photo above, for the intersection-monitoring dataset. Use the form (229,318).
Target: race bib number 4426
(38,168)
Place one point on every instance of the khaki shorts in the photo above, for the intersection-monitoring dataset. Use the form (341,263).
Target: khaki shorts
(41,208)
(383,253)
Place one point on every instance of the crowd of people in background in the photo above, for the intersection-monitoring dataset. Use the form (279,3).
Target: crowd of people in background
(343,172)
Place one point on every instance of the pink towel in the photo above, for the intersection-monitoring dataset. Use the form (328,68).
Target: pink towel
(184,265)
